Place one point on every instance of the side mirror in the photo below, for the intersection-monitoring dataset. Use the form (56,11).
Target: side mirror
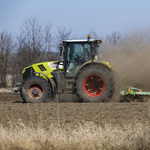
(60,48)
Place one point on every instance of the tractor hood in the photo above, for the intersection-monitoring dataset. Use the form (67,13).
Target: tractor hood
(43,67)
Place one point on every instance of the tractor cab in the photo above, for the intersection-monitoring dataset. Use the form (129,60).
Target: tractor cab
(78,52)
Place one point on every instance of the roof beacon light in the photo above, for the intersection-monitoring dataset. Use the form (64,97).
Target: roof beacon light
(89,36)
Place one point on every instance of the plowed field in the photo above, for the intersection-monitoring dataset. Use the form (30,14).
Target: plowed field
(71,113)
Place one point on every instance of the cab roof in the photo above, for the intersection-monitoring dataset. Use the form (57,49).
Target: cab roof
(81,40)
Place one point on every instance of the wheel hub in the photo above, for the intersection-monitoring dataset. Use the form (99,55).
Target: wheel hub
(93,85)
(35,91)
(96,85)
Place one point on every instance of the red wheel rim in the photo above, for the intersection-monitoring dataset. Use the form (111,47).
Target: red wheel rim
(93,85)
(35,91)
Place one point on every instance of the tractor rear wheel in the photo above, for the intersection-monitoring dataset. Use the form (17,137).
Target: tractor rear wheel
(94,84)
(35,90)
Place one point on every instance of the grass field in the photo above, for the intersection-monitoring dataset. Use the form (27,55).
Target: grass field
(87,136)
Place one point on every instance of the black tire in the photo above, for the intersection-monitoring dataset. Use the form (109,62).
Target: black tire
(35,90)
(101,86)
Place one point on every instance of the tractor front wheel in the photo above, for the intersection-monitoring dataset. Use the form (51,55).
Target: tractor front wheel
(35,90)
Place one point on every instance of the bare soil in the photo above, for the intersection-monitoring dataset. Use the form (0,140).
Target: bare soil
(71,113)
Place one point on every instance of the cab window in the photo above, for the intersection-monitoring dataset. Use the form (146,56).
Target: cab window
(77,54)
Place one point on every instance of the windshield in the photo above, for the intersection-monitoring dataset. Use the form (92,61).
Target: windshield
(77,54)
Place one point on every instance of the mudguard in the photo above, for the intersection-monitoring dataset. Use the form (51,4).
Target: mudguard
(100,63)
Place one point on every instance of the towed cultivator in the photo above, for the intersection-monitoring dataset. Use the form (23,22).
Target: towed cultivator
(134,94)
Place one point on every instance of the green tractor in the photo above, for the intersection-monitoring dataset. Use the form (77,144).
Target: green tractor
(79,73)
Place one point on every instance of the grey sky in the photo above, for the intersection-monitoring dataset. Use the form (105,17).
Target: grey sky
(103,16)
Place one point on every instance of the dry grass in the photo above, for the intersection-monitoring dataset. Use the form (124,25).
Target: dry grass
(85,136)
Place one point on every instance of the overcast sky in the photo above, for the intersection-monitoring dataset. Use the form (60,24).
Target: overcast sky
(103,16)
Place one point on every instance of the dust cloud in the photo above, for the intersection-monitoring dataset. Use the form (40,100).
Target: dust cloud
(130,61)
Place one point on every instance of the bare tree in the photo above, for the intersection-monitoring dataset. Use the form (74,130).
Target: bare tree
(115,38)
(94,35)
(62,34)
(34,42)
(30,41)
(6,46)
(49,42)
(112,41)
